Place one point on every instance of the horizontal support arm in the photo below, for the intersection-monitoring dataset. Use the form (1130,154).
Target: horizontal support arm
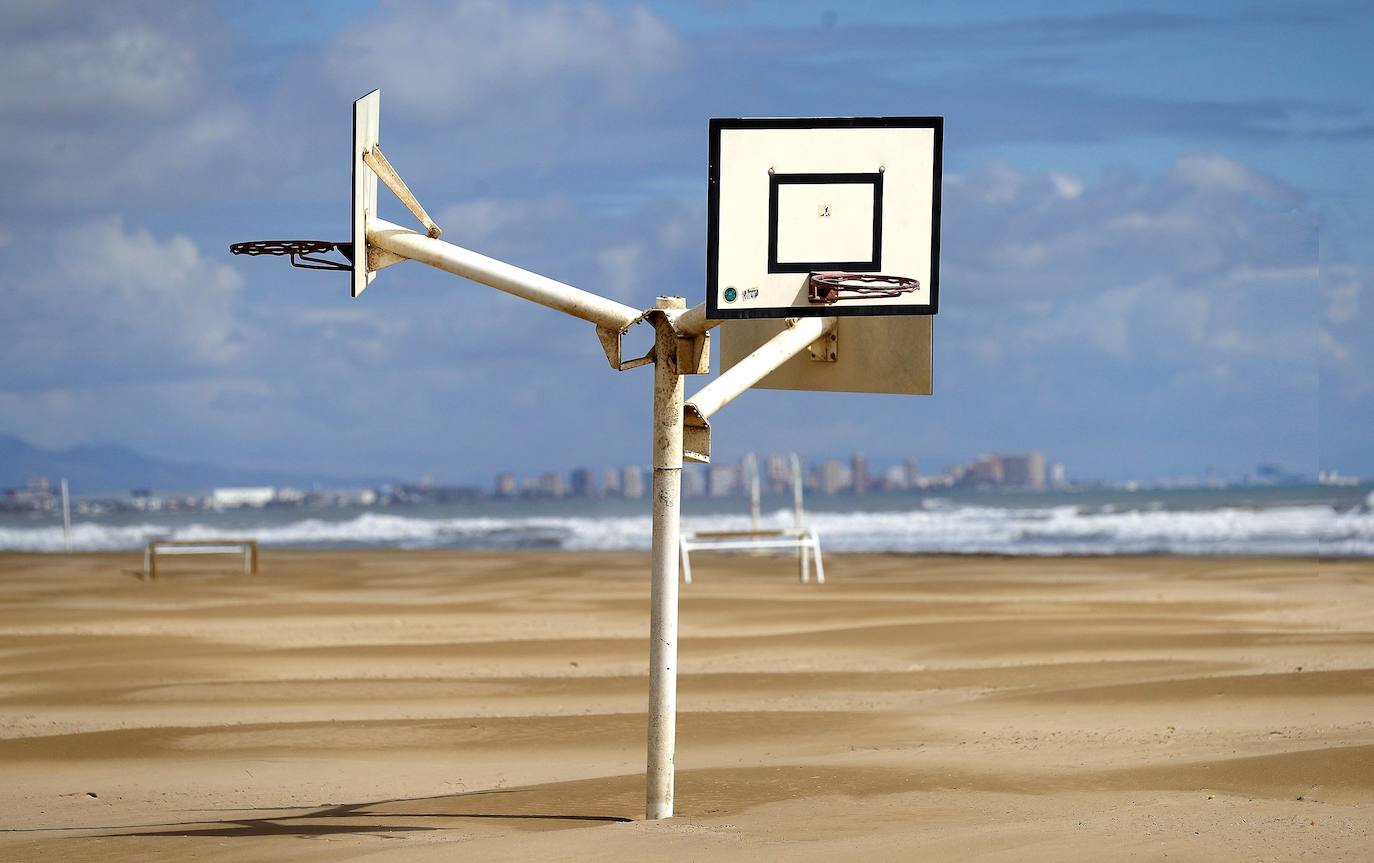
(693,322)
(504,277)
(753,368)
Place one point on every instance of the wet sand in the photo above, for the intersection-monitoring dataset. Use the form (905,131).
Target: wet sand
(426,706)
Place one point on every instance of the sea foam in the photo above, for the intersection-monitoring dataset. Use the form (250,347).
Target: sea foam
(936,527)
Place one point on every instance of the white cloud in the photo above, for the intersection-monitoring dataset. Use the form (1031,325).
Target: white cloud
(113,103)
(621,268)
(1346,339)
(1214,173)
(1067,186)
(120,300)
(1173,270)
(1342,295)
(1332,349)
(442,59)
(481,220)
(131,68)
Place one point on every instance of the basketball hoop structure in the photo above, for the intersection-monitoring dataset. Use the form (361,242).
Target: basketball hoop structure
(837,178)
(830,288)
(300,251)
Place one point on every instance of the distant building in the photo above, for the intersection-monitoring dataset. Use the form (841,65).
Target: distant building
(693,482)
(245,496)
(832,477)
(551,484)
(1057,476)
(632,482)
(987,470)
(506,485)
(777,474)
(581,483)
(1025,471)
(723,480)
(35,495)
(894,479)
(911,473)
(858,474)
(610,482)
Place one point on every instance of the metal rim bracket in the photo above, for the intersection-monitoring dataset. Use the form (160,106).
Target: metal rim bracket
(828,288)
(696,435)
(301,252)
(826,349)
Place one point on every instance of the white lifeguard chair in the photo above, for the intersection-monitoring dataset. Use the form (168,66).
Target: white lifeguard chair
(799,536)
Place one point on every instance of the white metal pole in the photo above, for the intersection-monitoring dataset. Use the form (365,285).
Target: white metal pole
(66,517)
(666,548)
(504,277)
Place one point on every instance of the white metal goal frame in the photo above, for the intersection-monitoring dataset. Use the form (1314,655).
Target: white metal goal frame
(758,539)
(247,548)
(804,540)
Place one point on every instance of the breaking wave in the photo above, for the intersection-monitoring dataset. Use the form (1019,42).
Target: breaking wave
(1307,530)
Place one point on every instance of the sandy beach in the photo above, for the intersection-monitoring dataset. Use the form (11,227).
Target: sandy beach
(425,706)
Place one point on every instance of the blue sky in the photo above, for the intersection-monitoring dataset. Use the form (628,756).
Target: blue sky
(1157,223)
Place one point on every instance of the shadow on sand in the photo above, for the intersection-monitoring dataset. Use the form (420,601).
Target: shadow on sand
(376,816)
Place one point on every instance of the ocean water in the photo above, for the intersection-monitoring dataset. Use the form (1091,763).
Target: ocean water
(1295,521)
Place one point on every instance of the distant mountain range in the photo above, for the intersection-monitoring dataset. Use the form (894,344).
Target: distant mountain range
(115,470)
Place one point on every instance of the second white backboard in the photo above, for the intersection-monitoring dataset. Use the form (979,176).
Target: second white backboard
(830,216)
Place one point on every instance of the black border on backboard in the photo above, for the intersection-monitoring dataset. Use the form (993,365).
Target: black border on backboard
(875,259)
(715,312)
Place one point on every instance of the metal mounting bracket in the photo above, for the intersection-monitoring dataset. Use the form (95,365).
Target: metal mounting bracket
(380,259)
(693,352)
(826,349)
(375,159)
(610,343)
(696,435)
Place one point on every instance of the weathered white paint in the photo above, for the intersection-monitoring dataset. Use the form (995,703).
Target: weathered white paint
(667,523)
(453,259)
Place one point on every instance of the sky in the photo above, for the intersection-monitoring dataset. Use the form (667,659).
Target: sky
(1156,227)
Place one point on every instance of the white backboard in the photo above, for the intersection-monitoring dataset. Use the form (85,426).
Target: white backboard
(792,197)
(366,121)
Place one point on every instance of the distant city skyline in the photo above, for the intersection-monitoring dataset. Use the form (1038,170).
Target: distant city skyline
(855,473)
(774,472)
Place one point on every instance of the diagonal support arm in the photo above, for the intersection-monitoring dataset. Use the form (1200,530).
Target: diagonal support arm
(377,161)
(720,392)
